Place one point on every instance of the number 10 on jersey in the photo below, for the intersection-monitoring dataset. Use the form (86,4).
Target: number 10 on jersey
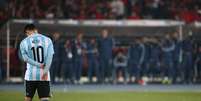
(38,53)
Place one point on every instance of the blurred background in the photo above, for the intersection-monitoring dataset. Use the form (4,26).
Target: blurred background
(107,41)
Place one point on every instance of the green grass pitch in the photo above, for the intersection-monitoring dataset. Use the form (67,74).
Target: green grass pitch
(109,96)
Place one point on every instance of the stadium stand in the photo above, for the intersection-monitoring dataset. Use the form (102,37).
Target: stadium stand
(186,10)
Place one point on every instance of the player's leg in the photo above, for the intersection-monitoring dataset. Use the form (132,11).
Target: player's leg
(76,71)
(30,90)
(114,74)
(43,89)
(90,70)
(138,70)
(79,71)
(125,73)
(108,70)
(171,72)
(102,70)
(71,71)
(97,70)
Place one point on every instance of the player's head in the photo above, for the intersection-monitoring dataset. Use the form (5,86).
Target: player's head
(30,29)
(56,35)
(104,33)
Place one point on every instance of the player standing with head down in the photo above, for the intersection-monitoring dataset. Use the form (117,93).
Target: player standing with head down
(37,51)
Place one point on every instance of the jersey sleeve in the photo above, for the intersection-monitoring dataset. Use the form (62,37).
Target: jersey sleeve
(25,56)
(48,61)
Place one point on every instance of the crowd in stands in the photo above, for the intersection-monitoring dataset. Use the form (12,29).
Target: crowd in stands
(186,10)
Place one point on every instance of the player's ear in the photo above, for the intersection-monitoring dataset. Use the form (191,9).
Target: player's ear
(26,32)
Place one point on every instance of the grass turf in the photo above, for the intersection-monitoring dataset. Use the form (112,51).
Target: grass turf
(109,96)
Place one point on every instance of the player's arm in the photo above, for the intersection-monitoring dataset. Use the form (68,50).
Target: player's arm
(26,58)
(49,58)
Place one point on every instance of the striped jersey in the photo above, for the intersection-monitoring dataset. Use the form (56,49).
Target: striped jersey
(36,48)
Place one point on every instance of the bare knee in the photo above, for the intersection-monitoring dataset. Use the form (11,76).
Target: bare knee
(28,99)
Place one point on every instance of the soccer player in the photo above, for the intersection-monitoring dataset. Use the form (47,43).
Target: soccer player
(37,51)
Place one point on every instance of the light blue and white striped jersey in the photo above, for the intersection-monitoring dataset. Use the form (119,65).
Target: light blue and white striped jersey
(35,50)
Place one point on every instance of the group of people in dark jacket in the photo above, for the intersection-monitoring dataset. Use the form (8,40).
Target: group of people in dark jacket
(170,58)
(69,58)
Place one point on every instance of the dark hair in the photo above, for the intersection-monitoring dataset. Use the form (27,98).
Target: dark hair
(29,27)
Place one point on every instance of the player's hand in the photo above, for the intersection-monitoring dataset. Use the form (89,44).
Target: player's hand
(44,77)
(42,66)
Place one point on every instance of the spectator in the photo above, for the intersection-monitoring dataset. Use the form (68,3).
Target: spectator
(134,16)
(155,53)
(92,56)
(177,57)
(68,63)
(118,8)
(198,60)
(120,64)
(3,17)
(56,62)
(78,49)
(82,15)
(98,15)
(69,8)
(188,59)
(145,62)
(128,6)
(168,47)
(105,46)
(188,15)
(135,56)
